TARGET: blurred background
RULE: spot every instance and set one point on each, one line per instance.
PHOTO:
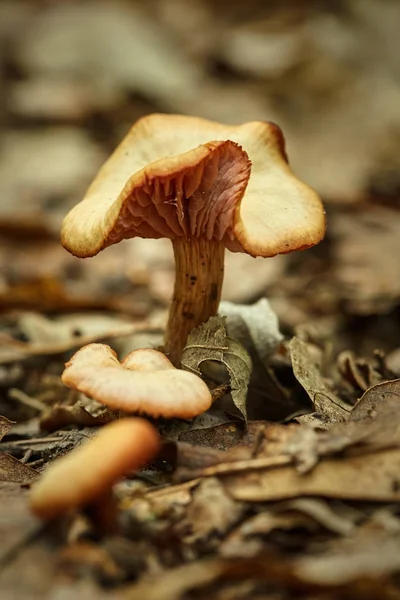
(74, 77)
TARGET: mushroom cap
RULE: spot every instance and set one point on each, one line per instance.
(180, 176)
(145, 382)
(88, 472)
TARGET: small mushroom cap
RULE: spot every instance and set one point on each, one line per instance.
(156, 388)
(179, 176)
(88, 472)
(146, 359)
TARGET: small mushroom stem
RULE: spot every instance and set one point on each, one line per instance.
(199, 266)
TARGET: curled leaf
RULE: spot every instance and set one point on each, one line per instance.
(209, 342)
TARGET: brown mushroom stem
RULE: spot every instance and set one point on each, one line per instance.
(199, 266)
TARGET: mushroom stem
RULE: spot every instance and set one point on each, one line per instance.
(199, 267)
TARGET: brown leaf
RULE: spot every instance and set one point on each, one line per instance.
(367, 283)
(211, 510)
(373, 477)
(226, 435)
(5, 426)
(58, 336)
(209, 342)
(367, 555)
(375, 399)
(14, 470)
(59, 416)
(308, 374)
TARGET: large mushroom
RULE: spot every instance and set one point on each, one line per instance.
(207, 187)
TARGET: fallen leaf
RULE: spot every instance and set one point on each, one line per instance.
(248, 539)
(95, 44)
(5, 426)
(360, 373)
(322, 513)
(347, 560)
(308, 374)
(211, 511)
(375, 399)
(11, 469)
(367, 284)
(174, 583)
(254, 326)
(209, 342)
(14, 470)
(226, 435)
(59, 336)
(371, 477)
(59, 416)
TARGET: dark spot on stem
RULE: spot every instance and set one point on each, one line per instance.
(214, 292)
(188, 315)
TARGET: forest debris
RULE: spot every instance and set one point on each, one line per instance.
(5, 426)
(346, 560)
(210, 511)
(368, 284)
(349, 572)
(379, 398)
(254, 326)
(308, 374)
(248, 538)
(371, 477)
(53, 162)
(310, 514)
(322, 513)
(360, 373)
(87, 559)
(58, 336)
(227, 435)
(11, 469)
(14, 470)
(209, 342)
(59, 416)
(78, 40)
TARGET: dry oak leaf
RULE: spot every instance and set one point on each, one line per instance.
(209, 342)
(11, 469)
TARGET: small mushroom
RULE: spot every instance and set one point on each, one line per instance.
(145, 382)
(86, 474)
(206, 186)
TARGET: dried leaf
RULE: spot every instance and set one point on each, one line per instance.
(358, 372)
(368, 284)
(307, 373)
(211, 510)
(174, 583)
(64, 334)
(59, 416)
(226, 435)
(254, 326)
(5, 426)
(210, 343)
(375, 399)
(366, 555)
(14, 470)
(372, 477)
(322, 513)
(248, 539)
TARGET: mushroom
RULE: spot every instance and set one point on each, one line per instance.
(206, 186)
(145, 381)
(86, 474)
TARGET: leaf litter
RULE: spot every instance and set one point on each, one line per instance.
(293, 492)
